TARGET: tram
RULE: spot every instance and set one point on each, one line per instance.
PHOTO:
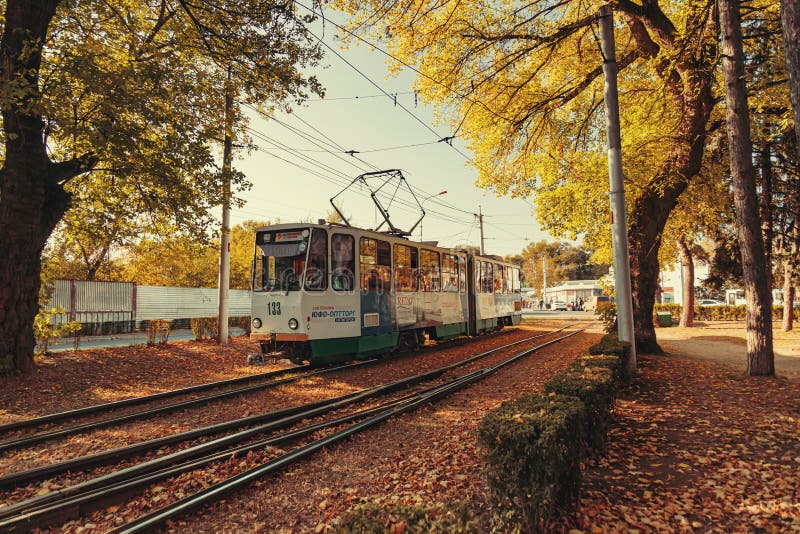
(326, 292)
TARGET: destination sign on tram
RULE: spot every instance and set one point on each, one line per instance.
(289, 236)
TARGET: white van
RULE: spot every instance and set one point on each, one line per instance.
(592, 303)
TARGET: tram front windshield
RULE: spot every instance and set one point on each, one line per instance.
(280, 258)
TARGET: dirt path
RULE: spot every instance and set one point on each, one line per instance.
(725, 342)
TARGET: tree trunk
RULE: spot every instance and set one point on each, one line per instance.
(653, 206)
(788, 297)
(790, 20)
(687, 264)
(789, 278)
(32, 197)
(767, 232)
(760, 357)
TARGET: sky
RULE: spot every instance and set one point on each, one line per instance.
(302, 162)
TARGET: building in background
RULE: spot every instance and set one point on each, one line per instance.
(672, 281)
(572, 290)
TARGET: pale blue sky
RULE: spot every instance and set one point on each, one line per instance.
(373, 123)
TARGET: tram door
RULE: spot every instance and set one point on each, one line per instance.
(472, 264)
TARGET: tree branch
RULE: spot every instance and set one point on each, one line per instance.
(63, 171)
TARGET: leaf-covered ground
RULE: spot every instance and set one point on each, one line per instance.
(698, 446)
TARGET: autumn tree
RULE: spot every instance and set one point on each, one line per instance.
(130, 92)
(790, 21)
(524, 83)
(760, 356)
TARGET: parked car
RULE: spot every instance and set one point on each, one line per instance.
(710, 302)
(591, 304)
(559, 306)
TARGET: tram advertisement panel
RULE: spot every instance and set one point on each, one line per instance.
(428, 309)
(332, 319)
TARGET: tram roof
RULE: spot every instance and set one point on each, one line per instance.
(382, 235)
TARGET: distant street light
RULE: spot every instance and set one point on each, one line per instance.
(440, 193)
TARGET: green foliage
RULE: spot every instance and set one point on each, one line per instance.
(607, 312)
(205, 327)
(720, 313)
(595, 387)
(158, 331)
(44, 331)
(380, 519)
(533, 448)
(611, 362)
(611, 345)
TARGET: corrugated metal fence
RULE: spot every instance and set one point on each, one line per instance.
(111, 307)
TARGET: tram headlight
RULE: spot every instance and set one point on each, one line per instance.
(293, 324)
(256, 323)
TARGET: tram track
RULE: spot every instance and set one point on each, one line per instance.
(273, 380)
(84, 497)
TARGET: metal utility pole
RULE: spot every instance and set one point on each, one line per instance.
(619, 226)
(480, 221)
(544, 279)
(225, 234)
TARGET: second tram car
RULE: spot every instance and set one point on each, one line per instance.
(326, 293)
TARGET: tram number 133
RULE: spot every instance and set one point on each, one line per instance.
(273, 308)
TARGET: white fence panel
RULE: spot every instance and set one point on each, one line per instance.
(156, 302)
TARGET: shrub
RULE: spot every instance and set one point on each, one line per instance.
(242, 322)
(611, 345)
(595, 387)
(533, 448)
(44, 332)
(607, 312)
(158, 331)
(607, 361)
(376, 519)
(205, 327)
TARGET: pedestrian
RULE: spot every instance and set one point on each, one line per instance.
(580, 304)
(541, 304)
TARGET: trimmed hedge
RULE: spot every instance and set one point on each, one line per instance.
(533, 448)
(377, 519)
(719, 313)
(610, 345)
(610, 362)
(595, 387)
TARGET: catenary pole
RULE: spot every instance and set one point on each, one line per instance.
(225, 234)
(619, 225)
(480, 222)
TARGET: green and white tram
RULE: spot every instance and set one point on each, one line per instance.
(326, 293)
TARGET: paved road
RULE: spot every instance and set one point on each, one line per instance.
(124, 340)
(140, 338)
(574, 315)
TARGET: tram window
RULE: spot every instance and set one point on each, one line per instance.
(507, 279)
(280, 259)
(376, 265)
(406, 267)
(430, 271)
(462, 274)
(449, 272)
(515, 285)
(498, 278)
(316, 273)
(488, 278)
(343, 263)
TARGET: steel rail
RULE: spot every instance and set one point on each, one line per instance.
(38, 510)
(22, 477)
(76, 429)
(96, 408)
(151, 521)
(60, 416)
